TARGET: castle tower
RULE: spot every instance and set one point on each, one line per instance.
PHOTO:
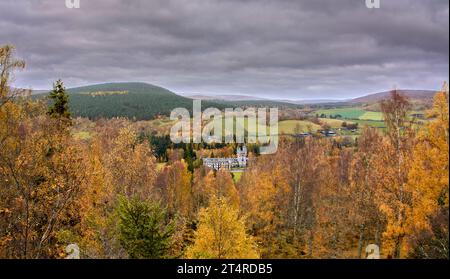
(241, 154)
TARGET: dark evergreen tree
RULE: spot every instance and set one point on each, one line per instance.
(60, 106)
(144, 233)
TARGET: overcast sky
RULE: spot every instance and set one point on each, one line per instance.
(290, 49)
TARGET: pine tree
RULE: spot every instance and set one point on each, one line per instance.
(60, 106)
(143, 231)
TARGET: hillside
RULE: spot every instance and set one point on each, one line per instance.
(224, 97)
(139, 101)
(413, 95)
(142, 101)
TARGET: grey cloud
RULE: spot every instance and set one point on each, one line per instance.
(285, 49)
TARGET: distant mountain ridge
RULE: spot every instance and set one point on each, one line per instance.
(143, 101)
(411, 94)
(140, 101)
(229, 97)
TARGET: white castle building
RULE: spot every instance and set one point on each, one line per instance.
(228, 163)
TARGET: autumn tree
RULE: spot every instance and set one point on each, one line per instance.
(8, 64)
(307, 172)
(221, 234)
(265, 197)
(178, 192)
(96, 205)
(364, 214)
(429, 182)
(331, 206)
(132, 165)
(41, 174)
(394, 197)
(201, 192)
(265, 200)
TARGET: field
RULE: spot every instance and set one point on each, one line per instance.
(349, 113)
(370, 123)
(296, 126)
(334, 123)
(237, 122)
(285, 126)
(372, 115)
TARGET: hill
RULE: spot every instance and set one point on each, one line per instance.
(224, 97)
(413, 95)
(140, 101)
(132, 100)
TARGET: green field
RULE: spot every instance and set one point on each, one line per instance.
(370, 123)
(350, 113)
(237, 124)
(335, 123)
(372, 115)
(290, 126)
(284, 127)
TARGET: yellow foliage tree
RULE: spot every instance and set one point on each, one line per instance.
(221, 234)
(178, 190)
(429, 174)
(132, 165)
(265, 199)
(392, 167)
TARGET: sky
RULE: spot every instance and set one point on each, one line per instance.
(289, 49)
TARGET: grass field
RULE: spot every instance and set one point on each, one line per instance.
(284, 127)
(372, 115)
(335, 123)
(350, 113)
(370, 123)
(258, 128)
(290, 126)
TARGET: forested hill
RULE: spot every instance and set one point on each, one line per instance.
(135, 100)
(132, 100)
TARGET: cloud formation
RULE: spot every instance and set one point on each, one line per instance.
(287, 49)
